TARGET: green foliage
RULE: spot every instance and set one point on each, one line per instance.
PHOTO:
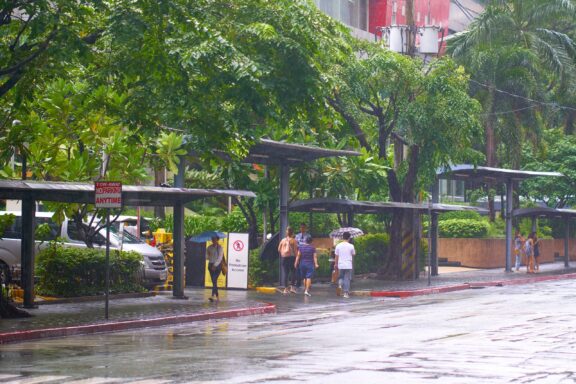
(557, 153)
(5, 222)
(322, 224)
(169, 148)
(68, 272)
(196, 224)
(261, 272)
(469, 215)
(463, 228)
(234, 222)
(371, 252)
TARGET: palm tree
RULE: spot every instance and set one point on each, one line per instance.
(513, 48)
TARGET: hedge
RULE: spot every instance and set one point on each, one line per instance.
(70, 272)
(463, 228)
(371, 252)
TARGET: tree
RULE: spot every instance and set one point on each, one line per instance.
(428, 109)
(42, 37)
(516, 48)
(557, 152)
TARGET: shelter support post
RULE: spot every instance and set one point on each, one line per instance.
(27, 250)
(284, 195)
(509, 191)
(434, 231)
(566, 240)
(178, 259)
(178, 235)
(351, 219)
(534, 223)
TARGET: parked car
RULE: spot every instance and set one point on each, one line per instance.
(155, 270)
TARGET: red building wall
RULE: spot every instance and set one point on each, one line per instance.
(380, 13)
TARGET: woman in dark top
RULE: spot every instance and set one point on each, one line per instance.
(536, 252)
(307, 260)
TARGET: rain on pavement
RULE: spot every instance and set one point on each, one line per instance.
(520, 334)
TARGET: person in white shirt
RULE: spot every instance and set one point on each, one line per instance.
(344, 262)
(215, 256)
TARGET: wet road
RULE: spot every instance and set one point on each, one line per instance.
(516, 334)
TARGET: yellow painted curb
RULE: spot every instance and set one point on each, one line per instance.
(266, 289)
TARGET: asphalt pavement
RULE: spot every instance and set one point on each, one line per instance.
(517, 333)
(66, 319)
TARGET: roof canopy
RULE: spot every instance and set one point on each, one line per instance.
(544, 212)
(132, 195)
(471, 172)
(276, 153)
(332, 205)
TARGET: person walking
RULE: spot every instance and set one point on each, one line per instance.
(302, 239)
(288, 248)
(518, 244)
(344, 263)
(529, 250)
(307, 262)
(536, 252)
(215, 256)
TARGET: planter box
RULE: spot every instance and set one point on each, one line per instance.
(491, 253)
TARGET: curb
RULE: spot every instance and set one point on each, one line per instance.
(87, 299)
(420, 292)
(35, 334)
(461, 287)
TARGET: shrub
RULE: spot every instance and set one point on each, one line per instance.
(261, 272)
(371, 252)
(69, 272)
(463, 228)
(469, 215)
(234, 222)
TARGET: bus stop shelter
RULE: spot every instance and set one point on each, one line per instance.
(285, 156)
(31, 191)
(552, 213)
(471, 173)
(353, 207)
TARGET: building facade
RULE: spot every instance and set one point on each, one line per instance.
(365, 17)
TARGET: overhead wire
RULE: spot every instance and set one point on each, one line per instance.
(543, 103)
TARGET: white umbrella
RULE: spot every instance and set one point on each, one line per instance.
(339, 233)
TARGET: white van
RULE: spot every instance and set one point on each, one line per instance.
(155, 270)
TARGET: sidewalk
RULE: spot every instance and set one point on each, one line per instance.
(455, 280)
(66, 319)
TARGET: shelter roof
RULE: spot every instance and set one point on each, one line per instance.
(333, 205)
(477, 173)
(272, 152)
(544, 212)
(132, 195)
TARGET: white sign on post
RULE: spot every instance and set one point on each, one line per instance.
(238, 260)
(108, 194)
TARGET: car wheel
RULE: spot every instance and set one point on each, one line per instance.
(5, 274)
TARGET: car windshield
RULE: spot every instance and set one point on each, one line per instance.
(128, 237)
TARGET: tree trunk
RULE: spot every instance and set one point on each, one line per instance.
(489, 126)
(159, 178)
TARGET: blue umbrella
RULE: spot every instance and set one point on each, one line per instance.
(207, 236)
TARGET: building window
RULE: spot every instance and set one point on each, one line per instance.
(353, 13)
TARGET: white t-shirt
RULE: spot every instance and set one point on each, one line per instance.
(215, 254)
(345, 252)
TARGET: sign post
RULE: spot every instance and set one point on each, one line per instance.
(107, 194)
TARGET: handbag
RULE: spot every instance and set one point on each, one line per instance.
(224, 266)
